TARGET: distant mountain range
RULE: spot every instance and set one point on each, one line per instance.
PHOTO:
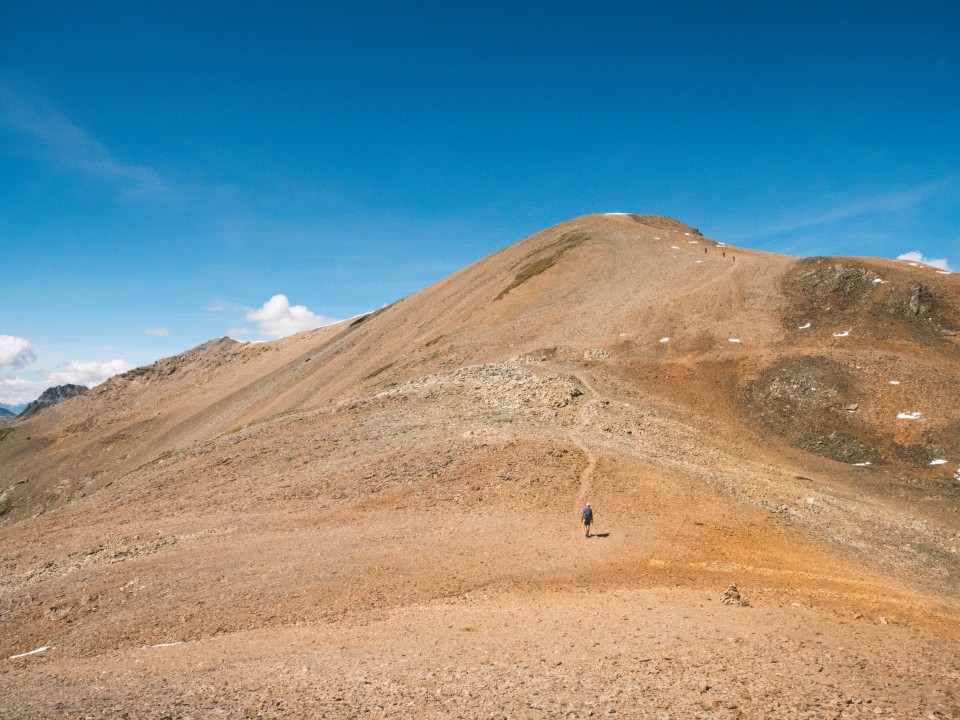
(11, 409)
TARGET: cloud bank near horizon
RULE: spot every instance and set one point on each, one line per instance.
(16, 353)
(85, 373)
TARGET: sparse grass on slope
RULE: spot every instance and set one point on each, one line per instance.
(535, 267)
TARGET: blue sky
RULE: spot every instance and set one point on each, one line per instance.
(167, 169)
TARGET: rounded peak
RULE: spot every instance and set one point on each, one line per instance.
(656, 222)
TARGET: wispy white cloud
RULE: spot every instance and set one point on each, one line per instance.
(237, 333)
(69, 148)
(157, 332)
(916, 256)
(880, 204)
(220, 306)
(278, 318)
(15, 352)
(84, 373)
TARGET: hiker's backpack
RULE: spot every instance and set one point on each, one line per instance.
(588, 514)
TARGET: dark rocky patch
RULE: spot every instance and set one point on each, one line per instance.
(50, 397)
(832, 294)
(805, 400)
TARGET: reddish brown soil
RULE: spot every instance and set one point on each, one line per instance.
(380, 519)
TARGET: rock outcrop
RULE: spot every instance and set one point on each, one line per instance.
(50, 397)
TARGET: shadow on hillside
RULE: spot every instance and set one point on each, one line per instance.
(599, 534)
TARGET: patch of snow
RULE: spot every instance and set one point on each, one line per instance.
(699, 261)
(655, 237)
(180, 642)
(908, 416)
(674, 247)
(733, 340)
(686, 233)
(878, 281)
(32, 652)
(938, 461)
(894, 382)
(692, 242)
(720, 244)
(810, 501)
(863, 464)
(804, 327)
(664, 339)
(914, 265)
(845, 333)
(944, 272)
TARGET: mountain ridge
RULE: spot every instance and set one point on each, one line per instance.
(429, 459)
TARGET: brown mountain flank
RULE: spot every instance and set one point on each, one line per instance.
(379, 518)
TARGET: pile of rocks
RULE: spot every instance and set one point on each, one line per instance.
(506, 385)
(732, 597)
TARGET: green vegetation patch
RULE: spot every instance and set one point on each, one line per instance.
(555, 249)
(378, 371)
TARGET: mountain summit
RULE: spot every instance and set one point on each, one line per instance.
(362, 499)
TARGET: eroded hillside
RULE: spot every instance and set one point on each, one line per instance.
(380, 517)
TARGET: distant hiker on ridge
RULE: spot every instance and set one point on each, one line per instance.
(587, 517)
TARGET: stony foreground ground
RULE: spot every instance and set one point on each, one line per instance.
(657, 653)
(621, 636)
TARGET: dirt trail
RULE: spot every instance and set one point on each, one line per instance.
(586, 475)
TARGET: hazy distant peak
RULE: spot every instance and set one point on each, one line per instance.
(50, 397)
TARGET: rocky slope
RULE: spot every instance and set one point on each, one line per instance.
(379, 518)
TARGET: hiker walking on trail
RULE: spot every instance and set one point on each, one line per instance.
(587, 516)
